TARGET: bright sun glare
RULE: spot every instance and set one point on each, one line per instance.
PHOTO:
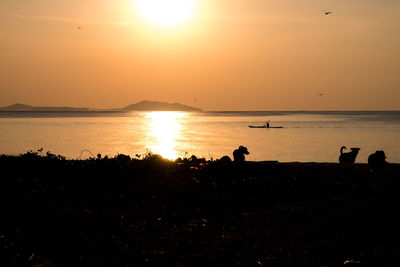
(166, 12)
(164, 132)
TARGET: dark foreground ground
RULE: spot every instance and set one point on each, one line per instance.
(121, 212)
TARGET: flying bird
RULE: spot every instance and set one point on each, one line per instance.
(79, 27)
(320, 94)
(327, 12)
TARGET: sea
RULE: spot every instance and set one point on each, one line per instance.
(306, 136)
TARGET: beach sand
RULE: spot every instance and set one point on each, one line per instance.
(122, 212)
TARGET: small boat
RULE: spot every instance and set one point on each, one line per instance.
(265, 126)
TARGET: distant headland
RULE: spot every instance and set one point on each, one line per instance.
(140, 106)
(22, 107)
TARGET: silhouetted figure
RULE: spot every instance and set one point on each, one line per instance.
(377, 159)
(225, 159)
(349, 157)
(267, 124)
(238, 154)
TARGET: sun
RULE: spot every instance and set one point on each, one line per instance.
(166, 12)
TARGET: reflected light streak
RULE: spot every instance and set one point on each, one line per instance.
(164, 131)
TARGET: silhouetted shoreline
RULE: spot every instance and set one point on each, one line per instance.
(192, 212)
(144, 105)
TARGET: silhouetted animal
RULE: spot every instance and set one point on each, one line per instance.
(238, 154)
(225, 159)
(377, 159)
(349, 157)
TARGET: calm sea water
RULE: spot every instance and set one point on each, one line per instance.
(306, 136)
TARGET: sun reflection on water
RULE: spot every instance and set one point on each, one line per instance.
(164, 132)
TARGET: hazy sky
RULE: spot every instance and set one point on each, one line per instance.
(231, 54)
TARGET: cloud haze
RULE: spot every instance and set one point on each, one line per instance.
(267, 55)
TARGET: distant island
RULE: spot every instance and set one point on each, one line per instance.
(140, 106)
(22, 107)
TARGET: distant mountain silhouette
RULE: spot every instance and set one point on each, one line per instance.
(17, 107)
(143, 105)
(22, 107)
(159, 106)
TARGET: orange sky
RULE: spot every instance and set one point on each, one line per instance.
(231, 55)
